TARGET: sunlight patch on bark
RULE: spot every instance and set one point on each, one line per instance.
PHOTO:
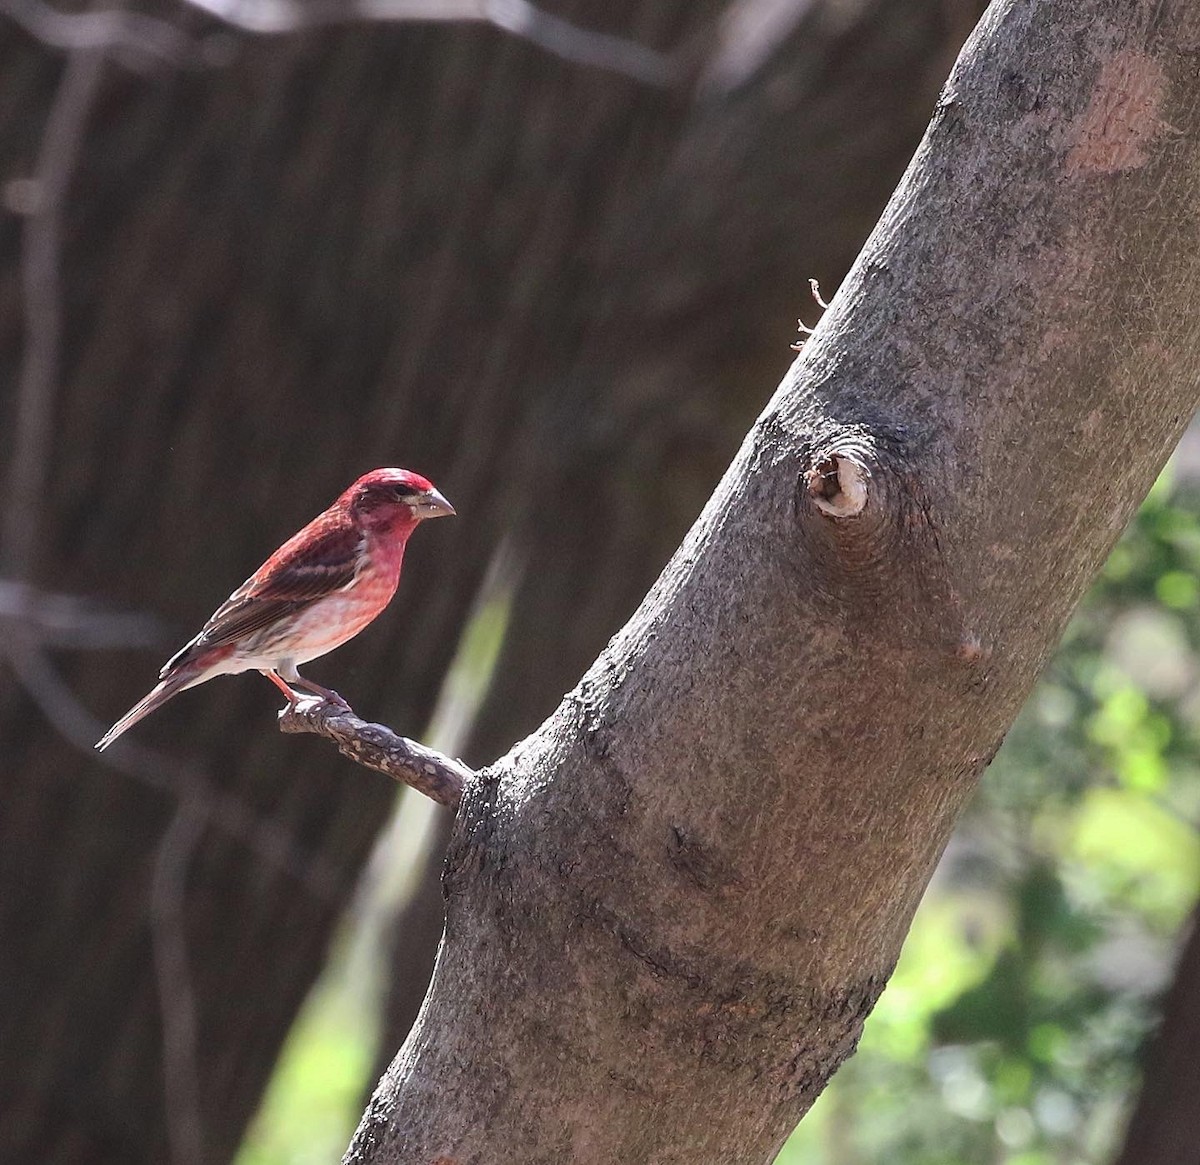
(1122, 118)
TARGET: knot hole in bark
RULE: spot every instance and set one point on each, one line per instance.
(837, 483)
(868, 530)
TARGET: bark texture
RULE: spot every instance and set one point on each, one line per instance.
(781, 173)
(1165, 1126)
(556, 291)
(670, 909)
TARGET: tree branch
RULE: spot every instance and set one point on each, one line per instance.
(519, 18)
(377, 747)
(147, 38)
(141, 38)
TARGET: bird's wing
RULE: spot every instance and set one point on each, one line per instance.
(320, 560)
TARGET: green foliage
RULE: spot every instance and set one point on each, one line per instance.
(1011, 1031)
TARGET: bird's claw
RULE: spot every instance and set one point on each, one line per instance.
(331, 697)
(311, 701)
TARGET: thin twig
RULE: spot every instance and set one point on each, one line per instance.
(41, 247)
(176, 999)
(378, 747)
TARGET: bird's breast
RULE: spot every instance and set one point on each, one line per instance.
(333, 620)
(327, 623)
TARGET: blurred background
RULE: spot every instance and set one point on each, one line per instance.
(250, 249)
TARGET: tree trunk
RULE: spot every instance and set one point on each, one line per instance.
(670, 909)
(1165, 1126)
(338, 250)
(652, 413)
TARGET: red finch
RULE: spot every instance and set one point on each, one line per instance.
(319, 589)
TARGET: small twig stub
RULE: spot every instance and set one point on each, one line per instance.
(837, 483)
(804, 329)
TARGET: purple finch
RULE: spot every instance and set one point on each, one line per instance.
(319, 589)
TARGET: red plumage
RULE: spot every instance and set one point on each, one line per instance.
(319, 589)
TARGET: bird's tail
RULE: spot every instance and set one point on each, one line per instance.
(170, 685)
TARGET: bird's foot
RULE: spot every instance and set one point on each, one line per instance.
(307, 704)
(307, 690)
(305, 696)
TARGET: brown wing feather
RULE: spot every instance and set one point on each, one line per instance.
(322, 558)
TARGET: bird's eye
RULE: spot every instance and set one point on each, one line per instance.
(405, 493)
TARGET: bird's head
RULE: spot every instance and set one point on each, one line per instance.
(387, 498)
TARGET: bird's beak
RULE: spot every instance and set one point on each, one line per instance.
(433, 505)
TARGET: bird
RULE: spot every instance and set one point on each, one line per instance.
(318, 590)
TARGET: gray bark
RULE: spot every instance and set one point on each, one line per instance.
(667, 386)
(672, 907)
(332, 251)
